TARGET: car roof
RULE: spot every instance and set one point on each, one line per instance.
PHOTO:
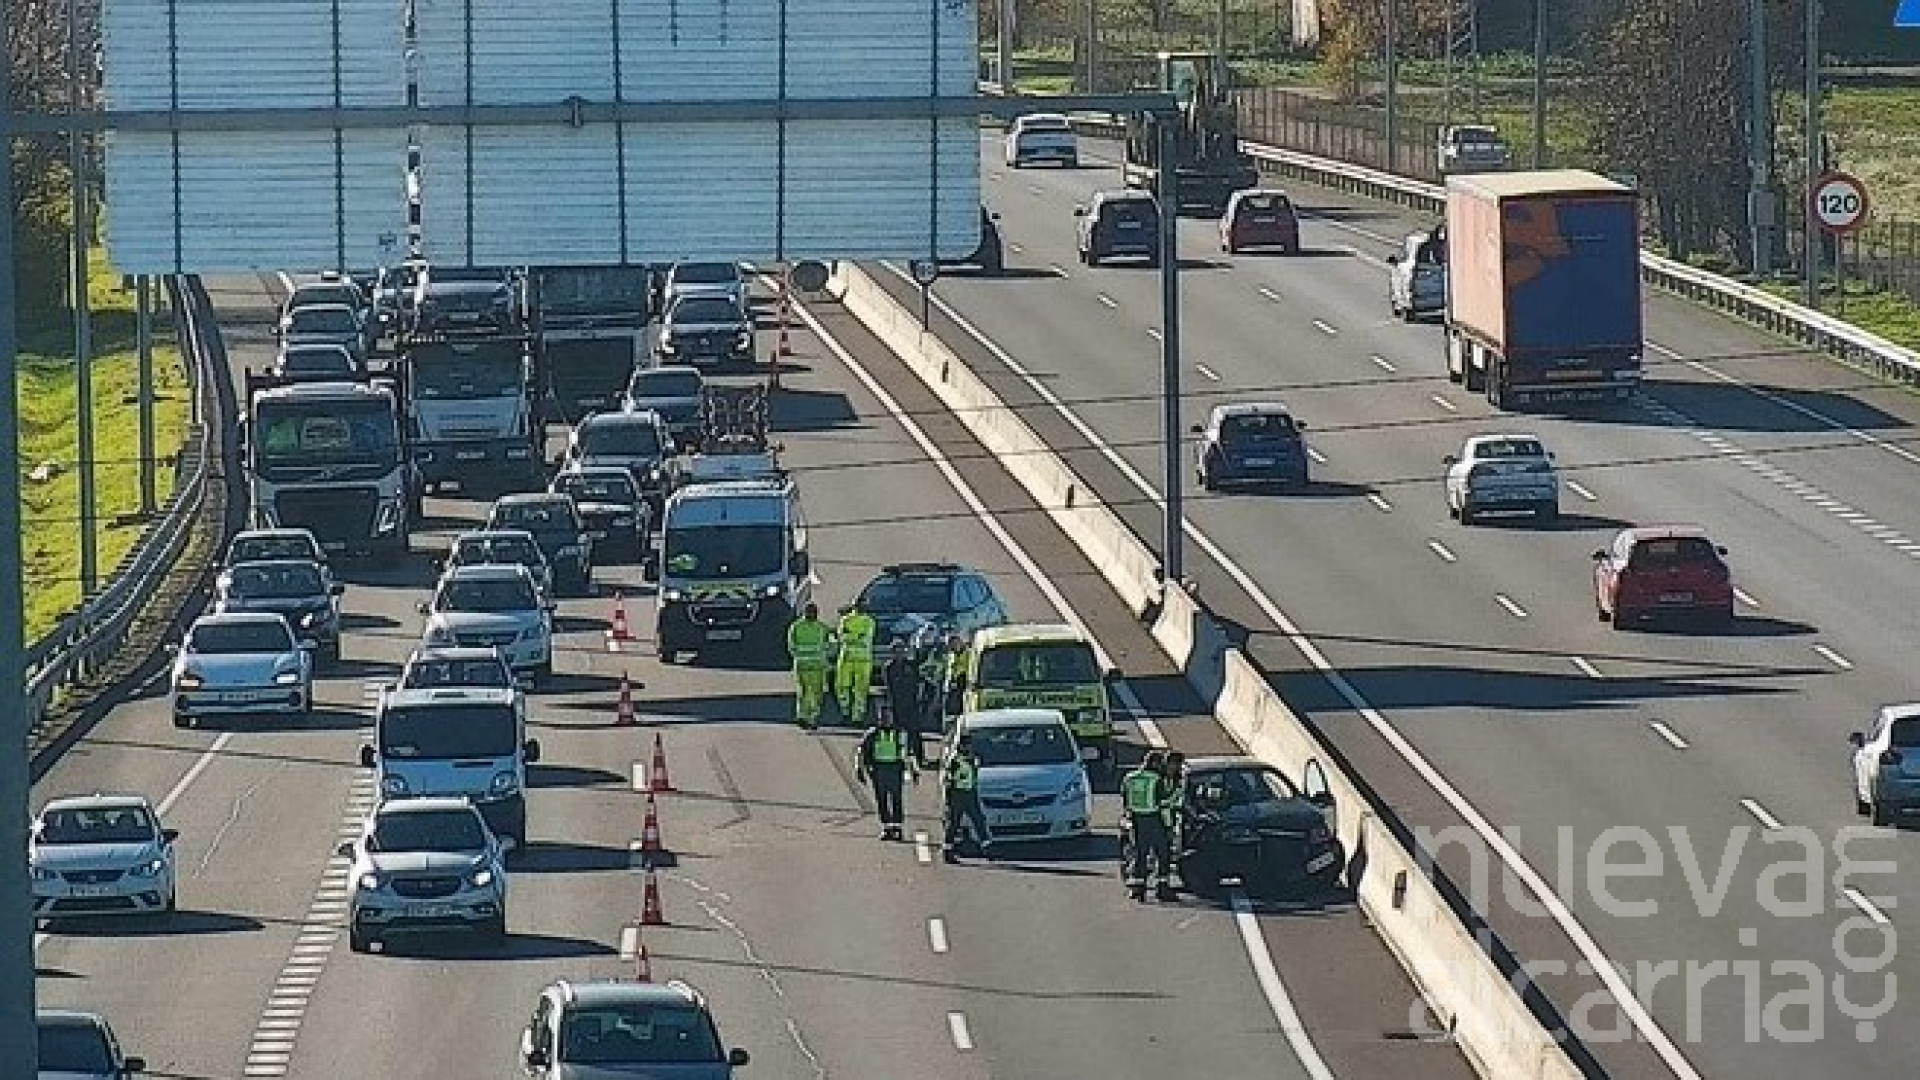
(1250, 408)
(1223, 762)
(278, 534)
(99, 800)
(488, 571)
(1503, 436)
(1011, 718)
(270, 564)
(929, 568)
(327, 306)
(590, 994)
(425, 804)
(1013, 633)
(675, 369)
(523, 498)
(1046, 117)
(1123, 195)
(431, 653)
(1263, 192)
(605, 472)
(620, 416)
(461, 695)
(1906, 711)
(317, 346)
(1664, 532)
(68, 1018)
(488, 534)
(238, 618)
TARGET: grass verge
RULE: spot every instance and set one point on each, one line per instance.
(49, 433)
(1893, 316)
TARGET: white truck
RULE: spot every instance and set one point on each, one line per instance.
(331, 458)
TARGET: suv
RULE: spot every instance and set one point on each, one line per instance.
(456, 666)
(1119, 224)
(1886, 765)
(627, 1029)
(1042, 137)
(705, 279)
(1250, 443)
(493, 606)
(923, 602)
(501, 547)
(424, 865)
(1417, 276)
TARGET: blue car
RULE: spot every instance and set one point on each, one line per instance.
(1250, 444)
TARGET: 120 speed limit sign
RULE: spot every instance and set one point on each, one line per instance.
(1839, 202)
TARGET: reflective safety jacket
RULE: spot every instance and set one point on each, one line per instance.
(856, 635)
(963, 774)
(807, 642)
(1143, 791)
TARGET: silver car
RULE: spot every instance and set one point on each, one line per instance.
(78, 1045)
(1502, 473)
(708, 279)
(100, 855)
(603, 1030)
(425, 864)
(493, 607)
(1886, 765)
(1033, 783)
(501, 547)
(1417, 276)
(241, 663)
(324, 324)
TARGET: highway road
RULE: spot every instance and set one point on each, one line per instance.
(824, 951)
(1475, 651)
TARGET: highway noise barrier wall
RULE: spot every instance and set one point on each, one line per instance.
(1463, 984)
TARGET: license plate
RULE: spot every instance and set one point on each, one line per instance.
(470, 455)
(240, 697)
(1319, 862)
(724, 635)
(90, 890)
(1130, 225)
(1259, 463)
(1676, 598)
(429, 911)
(1019, 817)
(1089, 753)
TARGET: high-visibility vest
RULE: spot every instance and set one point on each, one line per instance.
(1141, 791)
(856, 635)
(886, 747)
(807, 641)
(962, 774)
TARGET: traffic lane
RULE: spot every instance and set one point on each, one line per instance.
(1345, 1014)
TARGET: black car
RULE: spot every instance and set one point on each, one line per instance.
(635, 440)
(1251, 443)
(674, 393)
(1119, 224)
(921, 603)
(1242, 819)
(706, 328)
(616, 514)
(299, 589)
(989, 256)
(555, 524)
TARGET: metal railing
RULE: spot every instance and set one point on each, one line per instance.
(87, 638)
(1817, 330)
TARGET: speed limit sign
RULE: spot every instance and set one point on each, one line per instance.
(1839, 202)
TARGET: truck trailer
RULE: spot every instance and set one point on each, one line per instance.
(1543, 287)
(592, 332)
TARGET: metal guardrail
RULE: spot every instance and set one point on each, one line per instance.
(1842, 339)
(87, 638)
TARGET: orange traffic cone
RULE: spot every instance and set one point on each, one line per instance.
(620, 631)
(650, 843)
(650, 911)
(624, 717)
(642, 965)
(658, 781)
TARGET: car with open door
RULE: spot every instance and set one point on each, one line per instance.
(1244, 821)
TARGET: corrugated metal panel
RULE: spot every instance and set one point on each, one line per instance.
(880, 48)
(874, 202)
(521, 52)
(702, 50)
(544, 196)
(252, 53)
(701, 192)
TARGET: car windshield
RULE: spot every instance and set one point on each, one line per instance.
(619, 436)
(704, 309)
(1257, 428)
(466, 372)
(440, 732)
(97, 825)
(496, 550)
(1051, 125)
(295, 432)
(1219, 789)
(322, 320)
(309, 360)
(705, 274)
(638, 1034)
(1037, 744)
(74, 1048)
(1906, 732)
(1509, 448)
(267, 548)
(310, 295)
(268, 582)
(1059, 663)
(1139, 210)
(240, 638)
(485, 594)
(545, 515)
(909, 595)
(725, 551)
(1265, 205)
(600, 488)
(428, 830)
(665, 384)
(432, 673)
(1671, 553)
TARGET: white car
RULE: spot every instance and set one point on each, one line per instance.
(239, 663)
(100, 855)
(706, 279)
(425, 864)
(1033, 784)
(1042, 137)
(1502, 473)
(1886, 765)
(493, 606)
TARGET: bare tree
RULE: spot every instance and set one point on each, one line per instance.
(37, 82)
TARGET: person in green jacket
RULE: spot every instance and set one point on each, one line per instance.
(855, 667)
(1143, 793)
(960, 777)
(807, 646)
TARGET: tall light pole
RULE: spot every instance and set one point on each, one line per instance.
(1539, 84)
(82, 316)
(1393, 87)
(1815, 164)
(1759, 142)
(1006, 17)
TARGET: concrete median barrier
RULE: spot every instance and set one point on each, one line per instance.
(1462, 982)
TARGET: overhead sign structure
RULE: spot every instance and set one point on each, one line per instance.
(232, 200)
(1839, 202)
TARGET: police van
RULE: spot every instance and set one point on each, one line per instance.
(456, 741)
(733, 567)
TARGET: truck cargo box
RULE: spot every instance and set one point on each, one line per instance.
(1544, 263)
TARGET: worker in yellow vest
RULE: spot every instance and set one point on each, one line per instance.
(855, 667)
(883, 758)
(807, 646)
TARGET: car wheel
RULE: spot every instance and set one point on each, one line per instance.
(1878, 815)
(1126, 855)
(1467, 514)
(182, 720)
(173, 901)
(331, 654)
(1620, 619)
(494, 930)
(360, 939)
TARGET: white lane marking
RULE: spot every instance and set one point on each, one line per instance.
(937, 934)
(1058, 270)
(1275, 990)
(1325, 327)
(1833, 658)
(1035, 189)
(1745, 597)
(1595, 957)
(1513, 609)
(1586, 667)
(1443, 403)
(1315, 456)
(957, 1027)
(923, 848)
(1153, 332)
(1760, 814)
(1109, 301)
(1673, 737)
(1867, 907)
(1269, 294)
(1383, 363)
(629, 943)
(1207, 372)
(1017, 249)
(1580, 489)
(1440, 549)
(1380, 502)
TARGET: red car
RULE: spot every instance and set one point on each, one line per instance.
(1661, 570)
(1260, 218)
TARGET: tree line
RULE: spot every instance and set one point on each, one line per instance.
(36, 32)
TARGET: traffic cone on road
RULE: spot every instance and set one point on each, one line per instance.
(650, 843)
(624, 717)
(651, 913)
(658, 781)
(620, 632)
(642, 965)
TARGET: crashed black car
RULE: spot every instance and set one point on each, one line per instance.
(299, 589)
(1244, 820)
(617, 516)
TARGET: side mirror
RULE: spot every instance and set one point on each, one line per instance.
(799, 564)
(531, 751)
(336, 589)
(1450, 459)
(994, 216)
(168, 836)
(737, 1057)
(1393, 260)
(1079, 211)
(1112, 674)
(1321, 799)
(1856, 740)
(1721, 550)
(1599, 556)
(536, 1058)
(550, 604)
(133, 1065)
(1299, 424)
(366, 756)
(422, 607)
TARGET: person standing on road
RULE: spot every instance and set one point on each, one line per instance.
(960, 778)
(1144, 794)
(882, 758)
(1176, 808)
(855, 666)
(901, 677)
(807, 646)
(940, 672)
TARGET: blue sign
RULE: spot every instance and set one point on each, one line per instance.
(1908, 16)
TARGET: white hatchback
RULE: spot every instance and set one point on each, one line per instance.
(1033, 784)
(1042, 137)
(100, 855)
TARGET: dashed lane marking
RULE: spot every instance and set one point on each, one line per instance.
(1507, 602)
(1745, 597)
(1671, 736)
(1440, 549)
(1325, 327)
(957, 1027)
(1269, 294)
(1380, 502)
(1580, 489)
(1316, 456)
(937, 934)
(1153, 332)
(1586, 667)
(1761, 814)
(1866, 905)
(1109, 302)
(1383, 363)
(1443, 403)
(923, 848)
(1207, 372)
(1833, 658)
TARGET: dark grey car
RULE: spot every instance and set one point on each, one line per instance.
(672, 392)
(80, 1046)
(706, 328)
